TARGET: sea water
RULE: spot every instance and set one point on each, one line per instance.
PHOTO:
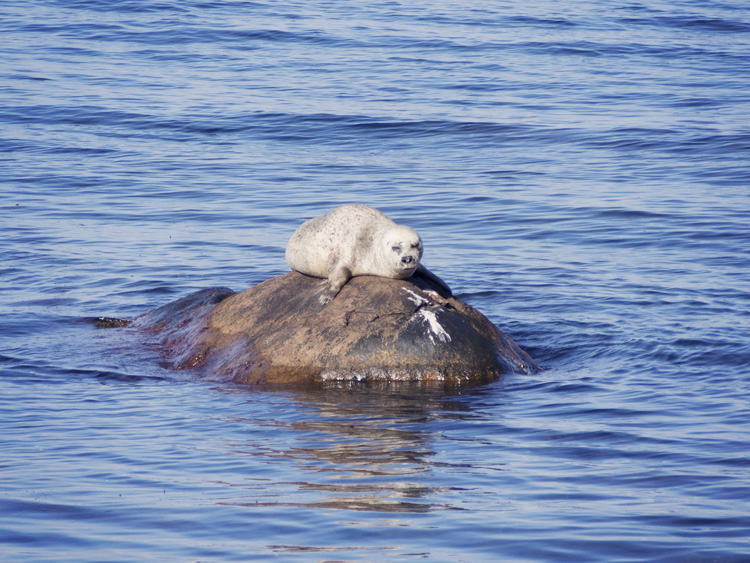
(579, 172)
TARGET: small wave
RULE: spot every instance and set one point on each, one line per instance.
(533, 21)
(128, 6)
(688, 22)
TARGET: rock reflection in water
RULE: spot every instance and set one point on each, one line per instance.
(365, 450)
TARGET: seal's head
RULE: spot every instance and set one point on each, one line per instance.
(401, 250)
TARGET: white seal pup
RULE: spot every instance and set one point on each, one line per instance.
(356, 240)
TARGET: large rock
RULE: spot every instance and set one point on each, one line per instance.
(376, 329)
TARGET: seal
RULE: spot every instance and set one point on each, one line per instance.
(356, 240)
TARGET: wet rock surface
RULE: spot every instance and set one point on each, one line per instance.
(376, 329)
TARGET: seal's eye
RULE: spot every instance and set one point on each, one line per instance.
(415, 245)
(396, 249)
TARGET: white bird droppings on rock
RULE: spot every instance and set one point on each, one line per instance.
(435, 327)
(416, 298)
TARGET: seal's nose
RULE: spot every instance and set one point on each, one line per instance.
(407, 260)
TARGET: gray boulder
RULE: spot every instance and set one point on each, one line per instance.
(376, 329)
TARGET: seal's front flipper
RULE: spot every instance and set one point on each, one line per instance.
(337, 277)
(429, 276)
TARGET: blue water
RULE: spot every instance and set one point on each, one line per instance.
(579, 172)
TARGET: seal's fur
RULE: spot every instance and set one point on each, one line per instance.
(356, 240)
